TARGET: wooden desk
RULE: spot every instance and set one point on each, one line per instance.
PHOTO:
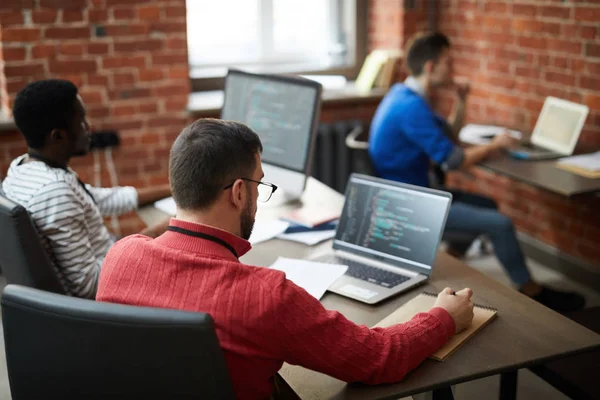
(525, 333)
(543, 174)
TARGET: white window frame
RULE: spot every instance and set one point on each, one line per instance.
(343, 60)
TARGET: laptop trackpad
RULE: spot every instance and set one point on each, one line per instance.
(353, 290)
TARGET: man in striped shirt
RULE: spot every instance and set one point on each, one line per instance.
(68, 214)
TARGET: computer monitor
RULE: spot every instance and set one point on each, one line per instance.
(284, 112)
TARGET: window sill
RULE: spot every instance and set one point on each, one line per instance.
(209, 103)
(296, 68)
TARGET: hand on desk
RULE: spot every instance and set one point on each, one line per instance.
(458, 305)
(504, 141)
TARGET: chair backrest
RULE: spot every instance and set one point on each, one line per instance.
(70, 348)
(361, 159)
(23, 259)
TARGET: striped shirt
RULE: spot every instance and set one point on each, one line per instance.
(68, 219)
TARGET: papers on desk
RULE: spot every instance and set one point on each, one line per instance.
(587, 165)
(483, 134)
(591, 161)
(167, 206)
(311, 217)
(267, 229)
(309, 238)
(313, 277)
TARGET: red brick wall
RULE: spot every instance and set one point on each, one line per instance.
(391, 23)
(385, 24)
(133, 79)
(3, 93)
(518, 52)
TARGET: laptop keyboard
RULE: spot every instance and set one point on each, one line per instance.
(370, 274)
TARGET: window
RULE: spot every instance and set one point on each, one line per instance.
(275, 36)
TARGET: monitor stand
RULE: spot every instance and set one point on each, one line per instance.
(290, 185)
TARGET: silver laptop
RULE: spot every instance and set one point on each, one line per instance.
(556, 131)
(388, 236)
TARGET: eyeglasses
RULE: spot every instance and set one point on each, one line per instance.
(265, 189)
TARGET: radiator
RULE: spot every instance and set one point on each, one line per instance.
(332, 161)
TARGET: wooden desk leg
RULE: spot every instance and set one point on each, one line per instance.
(437, 394)
(508, 385)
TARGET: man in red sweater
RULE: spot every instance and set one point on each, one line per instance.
(261, 318)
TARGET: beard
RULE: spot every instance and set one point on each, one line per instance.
(247, 221)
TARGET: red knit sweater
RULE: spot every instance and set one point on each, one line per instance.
(261, 318)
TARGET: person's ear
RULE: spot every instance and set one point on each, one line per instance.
(428, 67)
(57, 135)
(238, 194)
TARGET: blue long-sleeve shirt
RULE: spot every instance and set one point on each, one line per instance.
(405, 135)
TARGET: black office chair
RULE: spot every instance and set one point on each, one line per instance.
(361, 160)
(63, 347)
(23, 259)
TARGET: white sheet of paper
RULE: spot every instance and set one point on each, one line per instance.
(591, 161)
(472, 133)
(308, 238)
(314, 277)
(167, 206)
(267, 229)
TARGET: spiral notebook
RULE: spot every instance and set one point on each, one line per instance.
(423, 303)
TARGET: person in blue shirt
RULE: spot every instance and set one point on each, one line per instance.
(408, 137)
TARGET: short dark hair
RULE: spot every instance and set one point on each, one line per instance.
(43, 106)
(423, 47)
(208, 155)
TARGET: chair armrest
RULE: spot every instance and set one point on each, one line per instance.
(353, 143)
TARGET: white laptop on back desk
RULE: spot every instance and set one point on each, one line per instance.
(556, 131)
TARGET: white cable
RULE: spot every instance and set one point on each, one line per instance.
(114, 182)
